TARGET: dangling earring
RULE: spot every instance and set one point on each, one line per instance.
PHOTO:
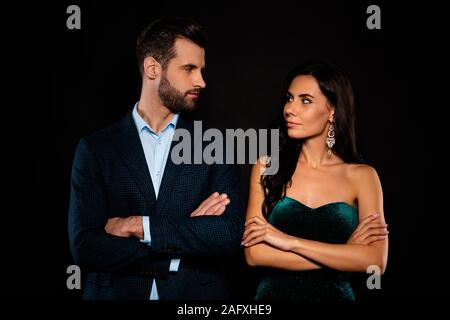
(330, 137)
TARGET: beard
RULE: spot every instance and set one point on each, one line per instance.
(175, 100)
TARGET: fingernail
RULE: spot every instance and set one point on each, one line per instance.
(223, 196)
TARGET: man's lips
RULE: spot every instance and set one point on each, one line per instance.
(192, 94)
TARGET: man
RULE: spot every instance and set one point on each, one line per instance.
(141, 226)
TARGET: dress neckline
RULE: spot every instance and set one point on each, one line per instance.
(323, 205)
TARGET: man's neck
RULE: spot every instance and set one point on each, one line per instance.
(154, 113)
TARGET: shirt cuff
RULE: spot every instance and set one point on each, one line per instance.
(174, 264)
(146, 225)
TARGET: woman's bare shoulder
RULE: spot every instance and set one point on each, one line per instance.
(360, 173)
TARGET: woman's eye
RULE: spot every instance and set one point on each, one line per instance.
(289, 99)
(306, 101)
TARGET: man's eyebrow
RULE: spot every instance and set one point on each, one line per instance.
(189, 65)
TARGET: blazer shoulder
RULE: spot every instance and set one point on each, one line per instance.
(109, 133)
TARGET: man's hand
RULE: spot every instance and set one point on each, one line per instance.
(214, 205)
(369, 231)
(125, 227)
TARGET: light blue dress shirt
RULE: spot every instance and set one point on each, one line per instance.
(156, 149)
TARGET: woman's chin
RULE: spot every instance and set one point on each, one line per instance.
(294, 134)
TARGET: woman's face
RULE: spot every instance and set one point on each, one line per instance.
(307, 111)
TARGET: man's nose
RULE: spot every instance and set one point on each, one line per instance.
(200, 82)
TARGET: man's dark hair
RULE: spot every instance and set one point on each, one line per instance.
(158, 39)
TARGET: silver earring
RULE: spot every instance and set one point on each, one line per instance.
(330, 137)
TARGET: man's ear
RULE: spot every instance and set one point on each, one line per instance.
(151, 67)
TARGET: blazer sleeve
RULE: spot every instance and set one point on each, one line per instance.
(92, 248)
(205, 235)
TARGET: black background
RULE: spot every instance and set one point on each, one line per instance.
(68, 83)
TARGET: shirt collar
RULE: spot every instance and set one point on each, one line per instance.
(141, 124)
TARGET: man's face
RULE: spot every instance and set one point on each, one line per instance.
(182, 80)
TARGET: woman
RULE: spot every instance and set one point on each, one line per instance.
(302, 222)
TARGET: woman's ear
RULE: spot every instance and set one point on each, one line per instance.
(331, 118)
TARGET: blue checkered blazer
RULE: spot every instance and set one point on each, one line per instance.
(110, 178)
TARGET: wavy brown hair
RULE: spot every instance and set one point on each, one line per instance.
(335, 85)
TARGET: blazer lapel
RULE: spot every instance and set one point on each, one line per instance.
(171, 170)
(130, 148)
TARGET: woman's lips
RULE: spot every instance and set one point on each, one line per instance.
(290, 124)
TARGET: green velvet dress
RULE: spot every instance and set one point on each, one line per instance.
(331, 223)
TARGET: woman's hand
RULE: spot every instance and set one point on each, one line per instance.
(369, 231)
(258, 230)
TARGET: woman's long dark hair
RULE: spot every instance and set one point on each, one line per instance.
(336, 86)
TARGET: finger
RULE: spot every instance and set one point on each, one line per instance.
(365, 221)
(252, 228)
(215, 194)
(375, 232)
(224, 203)
(205, 202)
(111, 221)
(255, 219)
(215, 207)
(208, 203)
(257, 240)
(250, 221)
(361, 238)
(220, 211)
(377, 226)
(253, 235)
(372, 225)
(373, 239)
(247, 228)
